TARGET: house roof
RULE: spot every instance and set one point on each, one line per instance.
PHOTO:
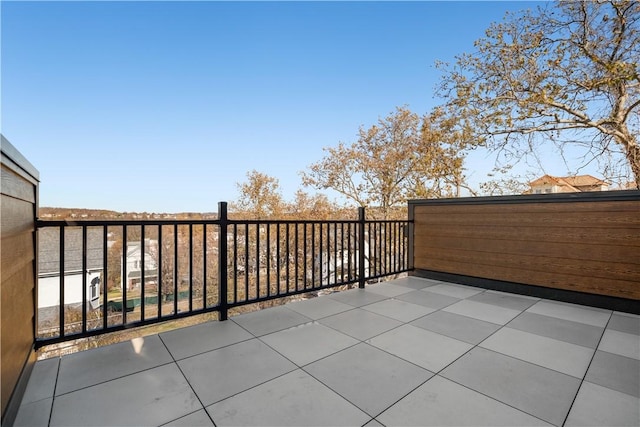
(572, 182)
(49, 249)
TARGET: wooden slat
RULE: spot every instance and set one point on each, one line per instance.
(584, 251)
(596, 236)
(535, 264)
(15, 216)
(616, 288)
(504, 208)
(617, 219)
(15, 186)
(17, 253)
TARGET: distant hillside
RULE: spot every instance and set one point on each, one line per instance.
(47, 213)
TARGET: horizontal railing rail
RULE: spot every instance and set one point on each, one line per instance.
(100, 276)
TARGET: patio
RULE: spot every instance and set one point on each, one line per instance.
(406, 352)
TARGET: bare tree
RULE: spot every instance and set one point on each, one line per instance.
(567, 71)
(260, 196)
(400, 157)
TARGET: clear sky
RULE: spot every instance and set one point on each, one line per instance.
(165, 106)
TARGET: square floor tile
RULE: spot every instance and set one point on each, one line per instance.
(399, 310)
(575, 313)
(367, 377)
(462, 328)
(504, 300)
(357, 297)
(42, 382)
(274, 319)
(538, 391)
(620, 343)
(309, 342)
(185, 342)
(560, 356)
(221, 373)
(559, 329)
(424, 348)
(482, 311)
(413, 282)
(360, 324)
(440, 402)
(152, 397)
(196, 419)
(34, 413)
(317, 308)
(428, 299)
(456, 291)
(600, 406)
(615, 372)
(387, 289)
(294, 399)
(625, 322)
(102, 364)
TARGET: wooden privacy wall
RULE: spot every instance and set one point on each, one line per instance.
(586, 242)
(17, 266)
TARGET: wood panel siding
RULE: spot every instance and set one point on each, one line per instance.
(588, 242)
(18, 208)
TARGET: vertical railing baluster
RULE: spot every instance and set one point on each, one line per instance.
(335, 252)
(313, 255)
(320, 255)
(246, 262)
(235, 263)
(350, 229)
(304, 260)
(123, 279)
(278, 260)
(175, 269)
(190, 267)
(143, 271)
(204, 265)
(84, 279)
(159, 276)
(297, 275)
(268, 237)
(222, 260)
(105, 273)
(258, 260)
(288, 255)
(61, 314)
(361, 225)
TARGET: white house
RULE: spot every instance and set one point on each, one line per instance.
(135, 263)
(49, 288)
(49, 267)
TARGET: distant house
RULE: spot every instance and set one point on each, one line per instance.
(49, 267)
(135, 263)
(566, 184)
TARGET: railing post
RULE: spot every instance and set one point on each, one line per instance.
(361, 224)
(222, 259)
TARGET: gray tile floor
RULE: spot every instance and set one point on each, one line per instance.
(406, 352)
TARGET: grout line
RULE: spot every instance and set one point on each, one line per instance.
(595, 350)
(53, 398)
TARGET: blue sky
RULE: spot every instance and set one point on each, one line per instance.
(165, 106)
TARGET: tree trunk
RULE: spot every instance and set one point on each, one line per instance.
(632, 153)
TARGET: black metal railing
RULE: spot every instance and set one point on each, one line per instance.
(102, 276)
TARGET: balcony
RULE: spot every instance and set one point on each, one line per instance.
(411, 351)
(512, 311)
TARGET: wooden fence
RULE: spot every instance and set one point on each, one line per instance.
(582, 242)
(18, 266)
